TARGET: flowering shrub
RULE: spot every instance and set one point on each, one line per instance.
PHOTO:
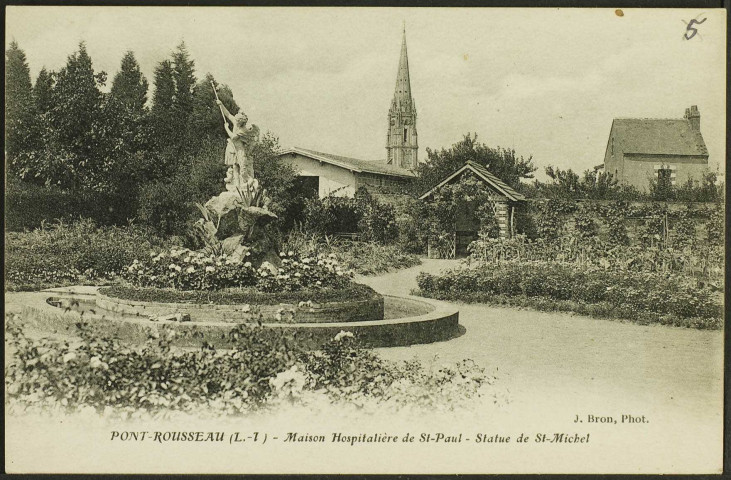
(346, 372)
(263, 368)
(99, 372)
(241, 296)
(624, 293)
(184, 269)
(297, 273)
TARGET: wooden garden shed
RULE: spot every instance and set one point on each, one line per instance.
(467, 224)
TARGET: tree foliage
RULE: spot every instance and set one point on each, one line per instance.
(206, 120)
(129, 86)
(20, 112)
(598, 185)
(43, 91)
(503, 163)
(184, 77)
(566, 184)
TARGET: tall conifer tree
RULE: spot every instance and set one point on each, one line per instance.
(43, 91)
(184, 75)
(129, 86)
(21, 128)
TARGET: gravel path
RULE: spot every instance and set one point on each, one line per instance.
(579, 361)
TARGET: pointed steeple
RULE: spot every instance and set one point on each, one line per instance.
(401, 141)
(402, 95)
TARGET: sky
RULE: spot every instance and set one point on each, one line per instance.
(546, 82)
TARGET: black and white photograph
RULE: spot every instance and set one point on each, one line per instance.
(360, 240)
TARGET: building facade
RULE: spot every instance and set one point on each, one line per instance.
(640, 150)
(402, 144)
(328, 174)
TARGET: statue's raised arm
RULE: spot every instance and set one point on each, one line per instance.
(224, 111)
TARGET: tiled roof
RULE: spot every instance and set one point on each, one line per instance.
(658, 136)
(378, 167)
(485, 175)
(482, 171)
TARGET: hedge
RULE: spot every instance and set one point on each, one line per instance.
(643, 297)
(30, 206)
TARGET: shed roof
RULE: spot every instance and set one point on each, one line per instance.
(485, 175)
(377, 167)
(658, 136)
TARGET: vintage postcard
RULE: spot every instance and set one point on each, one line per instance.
(364, 240)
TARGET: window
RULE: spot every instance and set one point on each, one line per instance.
(664, 173)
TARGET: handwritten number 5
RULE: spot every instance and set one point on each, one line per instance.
(691, 31)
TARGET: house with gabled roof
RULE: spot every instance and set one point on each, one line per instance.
(642, 149)
(466, 224)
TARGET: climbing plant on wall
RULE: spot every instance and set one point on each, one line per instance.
(468, 194)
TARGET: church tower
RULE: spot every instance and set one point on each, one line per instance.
(401, 143)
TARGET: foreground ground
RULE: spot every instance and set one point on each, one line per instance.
(554, 371)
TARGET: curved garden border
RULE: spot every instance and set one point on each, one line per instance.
(367, 309)
(439, 323)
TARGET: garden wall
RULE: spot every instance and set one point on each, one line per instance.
(634, 216)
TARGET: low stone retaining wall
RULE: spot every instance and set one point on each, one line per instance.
(352, 311)
(430, 321)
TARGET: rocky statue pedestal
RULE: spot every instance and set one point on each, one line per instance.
(248, 204)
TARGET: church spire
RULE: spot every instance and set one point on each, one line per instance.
(402, 95)
(401, 140)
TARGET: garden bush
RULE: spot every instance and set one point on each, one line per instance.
(371, 220)
(365, 258)
(62, 253)
(704, 259)
(29, 206)
(624, 294)
(168, 206)
(262, 369)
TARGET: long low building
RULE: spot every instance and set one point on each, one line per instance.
(334, 174)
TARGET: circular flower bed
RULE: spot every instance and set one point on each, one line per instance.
(209, 287)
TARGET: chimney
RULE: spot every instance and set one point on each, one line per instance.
(694, 117)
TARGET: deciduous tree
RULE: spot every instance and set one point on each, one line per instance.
(503, 163)
(206, 120)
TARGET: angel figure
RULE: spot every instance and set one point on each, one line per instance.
(239, 138)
